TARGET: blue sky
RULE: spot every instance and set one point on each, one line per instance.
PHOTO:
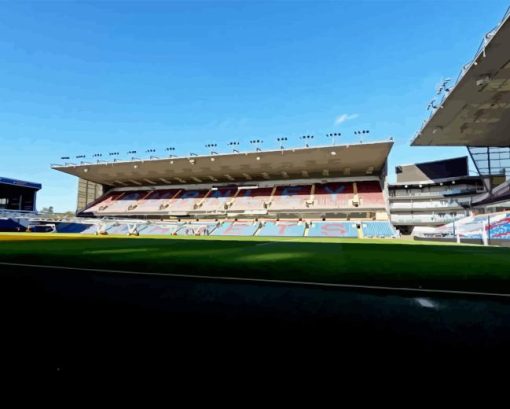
(80, 78)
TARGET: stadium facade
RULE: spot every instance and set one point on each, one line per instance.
(433, 193)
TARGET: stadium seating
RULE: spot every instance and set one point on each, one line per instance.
(283, 229)
(378, 229)
(370, 194)
(333, 229)
(500, 228)
(92, 229)
(217, 199)
(158, 229)
(124, 203)
(496, 224)
(10, 225)
(321, 196)
(186, 200)
(196, 229)
(332, 195)
(72, 227)
(236, 229)
(291, 198)
(251, 199)
(117, 229)
(104, 203)
(155, 201)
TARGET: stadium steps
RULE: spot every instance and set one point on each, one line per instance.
(360, 233)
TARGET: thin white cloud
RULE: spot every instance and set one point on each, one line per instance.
(344, 118)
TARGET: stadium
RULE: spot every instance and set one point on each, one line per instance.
(266, 233)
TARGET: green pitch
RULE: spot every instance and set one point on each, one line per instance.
(325, 260)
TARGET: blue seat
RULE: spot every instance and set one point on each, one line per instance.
(118, 229)
(333, 229)
(158, 229)
(378, 229)
(283, 229)
(72, 227)
(236, 229)
(192, 229)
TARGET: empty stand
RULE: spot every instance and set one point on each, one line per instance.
(92, 229)
(236, 229)
(117, 229)
(332, 195)
(370, 194)
(196, 229)
(333, 229)
(283, 229)
(186, 200)
(158, 229)
(107, 201)
(157, 200)
(7, 224)
(217, 199)
(378, 229)
(251, 199)
(73, 227)
(291, 198)
(122, 203)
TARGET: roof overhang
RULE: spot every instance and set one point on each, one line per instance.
(20, 183)
(476, 110)
(327, 161)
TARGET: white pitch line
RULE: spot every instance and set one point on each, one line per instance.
(265, 281)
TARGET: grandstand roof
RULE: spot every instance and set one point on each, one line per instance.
(20, 183)
(326, 161)
(476, 110)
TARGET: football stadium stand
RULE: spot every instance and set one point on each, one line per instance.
(247, 228)
(12, 224)
(158, 229)
(277, 199)
(196, 229)
(217, 200)
(378, 229)
(117, 228)
(73, 227)
(187, 201)
(370, 195)
(282, 229)
(252, 200)
(495, 225)
(264, 228)
(291, 198)
(332, 229)
(271, 193)
(155, 201)
(333, 195)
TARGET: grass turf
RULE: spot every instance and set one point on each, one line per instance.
(347, 261)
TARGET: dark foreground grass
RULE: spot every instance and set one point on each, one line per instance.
(366, 262)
